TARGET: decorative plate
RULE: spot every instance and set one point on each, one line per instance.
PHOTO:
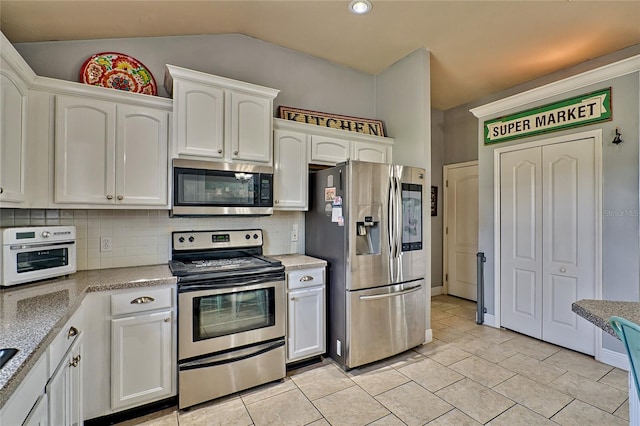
(118, 71)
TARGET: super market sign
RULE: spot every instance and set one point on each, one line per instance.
(579, 111)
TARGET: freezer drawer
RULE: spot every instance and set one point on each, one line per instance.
(385, 321)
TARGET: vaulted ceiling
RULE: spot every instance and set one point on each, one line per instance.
(477, 47)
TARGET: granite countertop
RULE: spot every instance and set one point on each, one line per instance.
(32, 315)
(598, 312)
(299, 261)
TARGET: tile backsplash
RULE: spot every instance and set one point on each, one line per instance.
(143, 237)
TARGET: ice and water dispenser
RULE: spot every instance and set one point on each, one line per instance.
(367, 236)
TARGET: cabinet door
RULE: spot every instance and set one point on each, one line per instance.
(372, 152)
(13, 109)
(141, 156)
(141, 359)
(249, 127)
(290, 174)
(84, 151)
(306, 330)
(64, 389)
(199, 119)
(39, 415)
(327, 150)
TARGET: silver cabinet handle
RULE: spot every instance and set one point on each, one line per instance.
(167, 320)
(235, 152)
(75, 361)
(306, 278)
(1, 190)
(72, 332)
(219, 151)
(563, 269)
(277, 201)
(294, 298)
(120, 197)
(109, 197)
(141, 300)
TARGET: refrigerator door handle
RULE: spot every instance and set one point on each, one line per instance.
(397, 293)
(398, 231)
(390, 221)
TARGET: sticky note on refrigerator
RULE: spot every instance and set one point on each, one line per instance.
(336, 213)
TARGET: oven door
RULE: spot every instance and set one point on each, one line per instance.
(32, 262)
(217, 319)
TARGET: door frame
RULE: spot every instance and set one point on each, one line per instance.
(597, 136)
(445, 223)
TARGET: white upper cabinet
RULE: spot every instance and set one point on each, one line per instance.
(141, 156)
(372, 152)
(290, 172)
(250, 128)
(329, 150)
(84, 150)
(110, 153)
(199, 119)
(14, 89)
(220, 119)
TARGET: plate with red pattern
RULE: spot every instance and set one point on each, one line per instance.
(118, 71)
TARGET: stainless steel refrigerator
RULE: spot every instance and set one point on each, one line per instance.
(366, 220)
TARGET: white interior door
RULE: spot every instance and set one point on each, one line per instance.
(568, 241)
(521, 237)
(461, 231)
(548, 241)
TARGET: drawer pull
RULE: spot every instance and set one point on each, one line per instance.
(306, 278)
(72, 332)
(141, 300)
(167, 320)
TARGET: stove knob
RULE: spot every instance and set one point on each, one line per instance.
(255, 236)
(191, 239)
(46, 234)
(181, 239)
(248, 237)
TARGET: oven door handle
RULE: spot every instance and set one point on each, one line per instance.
(30, 246)
(232, 356)
(184, 287)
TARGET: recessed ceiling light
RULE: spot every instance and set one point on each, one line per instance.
(360, 7)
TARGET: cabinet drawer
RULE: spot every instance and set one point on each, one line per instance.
(305, 278)
(65, 338)
(141, 300)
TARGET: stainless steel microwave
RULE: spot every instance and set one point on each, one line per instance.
(207, 188)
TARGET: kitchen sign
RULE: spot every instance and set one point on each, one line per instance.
(353, 124)
(574, 112)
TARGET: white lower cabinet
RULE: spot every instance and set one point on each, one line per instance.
(141, 367)
(131, 349)
(39, 415)
(64, 389)
(306, 301)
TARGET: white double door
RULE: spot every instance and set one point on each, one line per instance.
(548, 237)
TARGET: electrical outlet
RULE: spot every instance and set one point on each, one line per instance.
(105, 243)
(294, 232)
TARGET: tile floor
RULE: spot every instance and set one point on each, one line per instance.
(468, 375)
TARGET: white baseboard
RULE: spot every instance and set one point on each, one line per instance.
(613, 358)
(435, 291)
(428, 336)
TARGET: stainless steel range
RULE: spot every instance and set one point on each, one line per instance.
(231, 313)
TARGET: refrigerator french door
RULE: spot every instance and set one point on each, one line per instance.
(366, 220)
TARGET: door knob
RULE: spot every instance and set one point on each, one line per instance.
(563, 269)
(109, 197)
(120, 197)
(219, 151)
(235, 152)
